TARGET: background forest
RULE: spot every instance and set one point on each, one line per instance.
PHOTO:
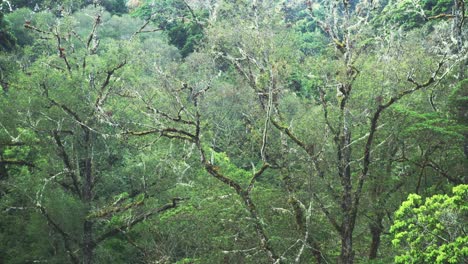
(233, 131)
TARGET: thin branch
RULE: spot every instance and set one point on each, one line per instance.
(306, 234)
(245, 196)
(112, 209)
(92, 34)
(142, 28)
(178, 119)
(166, 132)
(192, 13)
(66, 161)
(373, 129)
(61, 50)
(239, 251)
(138, 219)
(441, 16)
(29, 26)
(16, 162)
(102, 96)
(290, 134)
(214, 171)
(327, 213)
(255, 177)
(325, 111)
(66, 237)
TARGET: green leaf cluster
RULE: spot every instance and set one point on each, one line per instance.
(432, 230)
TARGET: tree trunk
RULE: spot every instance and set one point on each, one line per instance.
(316, 251)
(347, 224)
(347, 254)
(457, 31)
(3, 176)
(465, 166)
(88, 184)
(376, 231)
(88, 247)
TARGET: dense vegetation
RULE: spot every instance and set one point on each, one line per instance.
(233, 131)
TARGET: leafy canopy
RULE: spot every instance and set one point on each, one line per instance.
(432, 230)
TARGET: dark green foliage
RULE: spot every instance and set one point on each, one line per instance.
(24, 16)
(433, 123)
(459, 101)
(297, 16)
(165, 128)
(115, 7)
(185, 36)
(437, 7)
(7, 39)
(304, 86)
(409, 15)
(182, 25)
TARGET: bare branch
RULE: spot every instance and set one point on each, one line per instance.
(29, 26)
(327, 213)
(325, 110)
(61, 49)
(112, 209)
(255, 177)
(66, 237)
(92, 34)
(169, 117)
(373, 129)
(138, 219)
(142, 28)
(192, 13)
(16, 162)
(166, 132)
(66, 161)
(102, 96)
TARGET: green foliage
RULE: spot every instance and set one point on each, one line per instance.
(25, 238)
(312, 40)
(183, 28)
(23, 16)
(243, 52)
(431, 230)
(409, 14)
(115, 7)
(459, 102)
(228, 168)
(304, 86)
(185, 36)
(188, 261)
(7, 39)
(432, 122)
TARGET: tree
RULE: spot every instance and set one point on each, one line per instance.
(344, 161)
(62, 98)
(177, 114)
(296, 129)
(431, 230)
(344, 158)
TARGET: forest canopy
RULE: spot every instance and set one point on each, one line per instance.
(233, 131)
